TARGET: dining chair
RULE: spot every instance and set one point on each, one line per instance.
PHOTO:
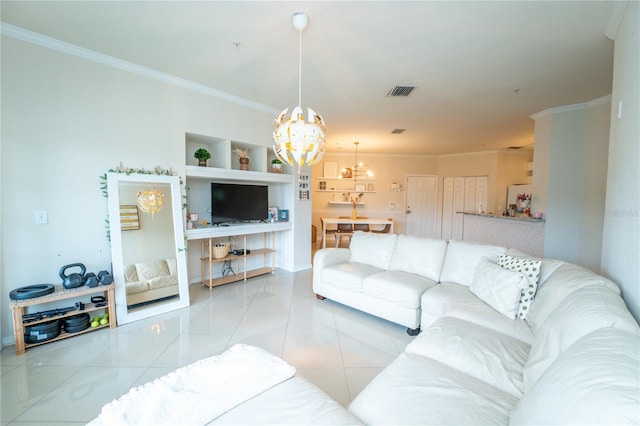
(385, 230)
(361, 226)
(344, 230)
(328, 232)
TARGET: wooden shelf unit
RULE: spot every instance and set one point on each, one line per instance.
(208, 261)
(18, 308)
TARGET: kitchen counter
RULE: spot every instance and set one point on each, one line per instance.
(522, 233)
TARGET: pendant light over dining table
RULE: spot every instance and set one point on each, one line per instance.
(298, 141)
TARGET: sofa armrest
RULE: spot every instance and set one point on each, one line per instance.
(326, 257)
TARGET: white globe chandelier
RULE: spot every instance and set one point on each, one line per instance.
(298, 141)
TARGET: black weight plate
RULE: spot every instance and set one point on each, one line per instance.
(31, 291)
(77, 328)
(75, 320)
(43, 327)
(41, 337)
(77, 324)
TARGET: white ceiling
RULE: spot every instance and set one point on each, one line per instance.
(466, 59)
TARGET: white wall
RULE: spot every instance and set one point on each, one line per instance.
(577, 146)
(621, 236)
(502, 167)
(67, 120)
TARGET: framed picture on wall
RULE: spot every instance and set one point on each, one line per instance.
(129, 220)
(330, 169)
(360, 187)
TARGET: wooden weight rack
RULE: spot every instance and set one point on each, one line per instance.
(18, 308)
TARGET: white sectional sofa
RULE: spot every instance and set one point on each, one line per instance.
(573, 359)
(151, 280)
(489, 353)
(382, 274)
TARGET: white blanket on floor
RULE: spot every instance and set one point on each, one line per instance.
(200, 392)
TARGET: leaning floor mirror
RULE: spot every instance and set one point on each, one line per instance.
(147, 245)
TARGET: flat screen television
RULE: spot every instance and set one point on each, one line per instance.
(232, 202)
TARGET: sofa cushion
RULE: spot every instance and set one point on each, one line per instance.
(498, 287)
(418, 390)
(160, 282)
(566, 279)
(130, 274)
(173, 266)
(136, 287)
(595, 381)
(455, 300)
(530, 268)
(348, 276)
(582, 312)
(399, 288)
(420, 256)
(461, 260)
(487, 355)
(151, 269)
(372, 249)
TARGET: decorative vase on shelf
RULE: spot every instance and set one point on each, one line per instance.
(202, 163)
(523, 204)
(244, 163)
(354, 212)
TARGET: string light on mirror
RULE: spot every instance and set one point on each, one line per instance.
(298, 141)
(150, 201)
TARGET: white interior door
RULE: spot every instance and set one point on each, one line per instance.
(420, 214)
(447, 208)
(458, 207)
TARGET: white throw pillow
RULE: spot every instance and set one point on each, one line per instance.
(498, 287)
(461, 260)
(530, 268)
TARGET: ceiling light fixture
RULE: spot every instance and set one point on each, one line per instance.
(360, 171)
(150, 200)
(298, 141)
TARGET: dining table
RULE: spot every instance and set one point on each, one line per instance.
(343, 220)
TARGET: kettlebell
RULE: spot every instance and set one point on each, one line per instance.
(74, 279)
(91, 280)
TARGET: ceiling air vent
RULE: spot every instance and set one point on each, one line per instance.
(401, 91)
(397, 131)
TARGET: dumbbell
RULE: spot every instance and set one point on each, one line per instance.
(105, 277)
(91, 280)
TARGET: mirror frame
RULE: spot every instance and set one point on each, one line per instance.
(117, 258)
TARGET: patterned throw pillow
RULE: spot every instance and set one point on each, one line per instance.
(530, 268)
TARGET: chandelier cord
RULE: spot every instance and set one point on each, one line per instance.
(300, 69)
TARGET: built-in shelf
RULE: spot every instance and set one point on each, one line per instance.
(345, 203)
(236, 229)
(236, 175)
(349, 179)
(345, 190)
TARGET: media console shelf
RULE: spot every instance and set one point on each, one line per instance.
(208, 261)
(80, 293)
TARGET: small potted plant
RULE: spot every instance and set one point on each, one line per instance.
(202, 155)
(244, 158)
(276, 166)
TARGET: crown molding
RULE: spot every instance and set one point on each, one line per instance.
(573, 107)
(110, 61)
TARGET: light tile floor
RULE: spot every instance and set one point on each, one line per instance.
(337, 348)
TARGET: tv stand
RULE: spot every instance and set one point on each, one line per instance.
(207, 261)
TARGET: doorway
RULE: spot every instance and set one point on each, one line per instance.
(420, 214)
